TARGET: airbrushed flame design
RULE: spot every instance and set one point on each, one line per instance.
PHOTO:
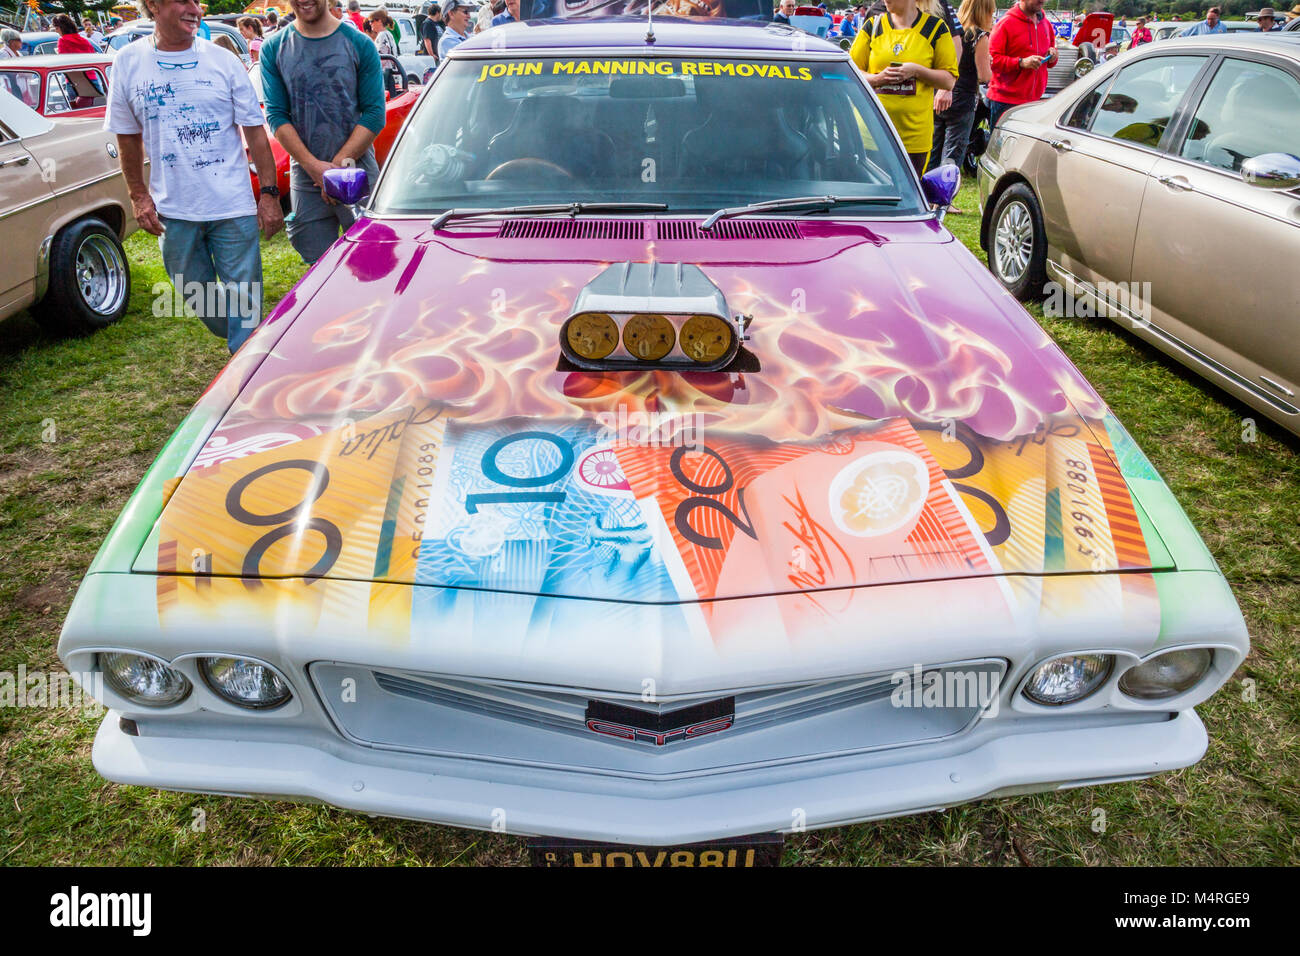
(487, 345)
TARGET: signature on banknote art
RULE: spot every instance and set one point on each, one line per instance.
(636, 531)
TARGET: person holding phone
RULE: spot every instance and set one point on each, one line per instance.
(906, 54)
(1022, 47)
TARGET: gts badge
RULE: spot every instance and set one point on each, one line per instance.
(660, 727)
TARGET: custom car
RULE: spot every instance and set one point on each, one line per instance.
(59, 85)
(1146, 186)
(64, 211)
(649, 466)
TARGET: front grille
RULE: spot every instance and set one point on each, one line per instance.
(534, 724)
(561, 710)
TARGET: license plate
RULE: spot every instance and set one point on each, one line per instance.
(762, 849)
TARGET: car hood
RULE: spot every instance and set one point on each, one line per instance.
(409, 425)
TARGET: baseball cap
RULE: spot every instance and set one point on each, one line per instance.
(451, 6)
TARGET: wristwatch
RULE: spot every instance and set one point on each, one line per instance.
(272, 191)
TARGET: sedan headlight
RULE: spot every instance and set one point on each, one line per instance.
(244, 683)
(1082, 67)
(1167, 675)
(143, 680)
(1065, 680)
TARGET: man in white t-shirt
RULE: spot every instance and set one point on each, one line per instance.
(184, 101)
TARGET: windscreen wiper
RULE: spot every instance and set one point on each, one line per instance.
(797, 202)
(572, 208)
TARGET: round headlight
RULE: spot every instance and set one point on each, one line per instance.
(244, 683)
(1067, 679)
(1167, 675)
(1082, 67)
(706, 338)
(143, 680)
(592, 335)
(649, 336)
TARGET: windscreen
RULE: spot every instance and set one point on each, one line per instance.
(696, 134)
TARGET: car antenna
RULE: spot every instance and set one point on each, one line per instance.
(649, 22)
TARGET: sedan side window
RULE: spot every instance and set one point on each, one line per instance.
(1249, 109)
(1081, 116)
(58, 95)
(82, 89)
(25, 86)
(1141, 102)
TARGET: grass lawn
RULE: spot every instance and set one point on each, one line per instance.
(113, 398)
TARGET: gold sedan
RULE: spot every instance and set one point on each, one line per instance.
(1163, 191)
(64, 211)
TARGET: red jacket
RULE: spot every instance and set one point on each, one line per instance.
(74, 43)
(1017, 36)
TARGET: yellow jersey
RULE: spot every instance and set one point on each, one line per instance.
(910, 104)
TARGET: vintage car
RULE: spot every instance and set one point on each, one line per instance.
(39, 43)
(59, 85)
(1079, 52)
(649, 466)
(64, 212)
(1157, 179)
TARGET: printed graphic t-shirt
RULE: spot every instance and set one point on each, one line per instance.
(188, 105)
(910, 104)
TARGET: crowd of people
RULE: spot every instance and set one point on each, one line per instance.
(324, 97)
(323, 92)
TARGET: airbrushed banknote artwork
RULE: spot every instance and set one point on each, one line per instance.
(878, 442)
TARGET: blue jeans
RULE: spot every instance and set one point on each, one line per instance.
(217, 270)
(996, 110)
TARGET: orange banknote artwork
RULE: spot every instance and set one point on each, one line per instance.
(866, 506)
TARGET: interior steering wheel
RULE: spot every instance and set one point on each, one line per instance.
(511, 168)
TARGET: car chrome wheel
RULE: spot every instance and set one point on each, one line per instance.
(1013, 242)
(101, 274)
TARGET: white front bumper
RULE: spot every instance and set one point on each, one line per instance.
(581, 806)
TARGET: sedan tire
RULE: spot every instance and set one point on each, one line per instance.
(90, 280)
(1018, 244)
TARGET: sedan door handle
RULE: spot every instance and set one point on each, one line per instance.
(1179, 183)
(1060, 145)
(20, 161)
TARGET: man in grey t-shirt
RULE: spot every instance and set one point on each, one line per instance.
(324, 95)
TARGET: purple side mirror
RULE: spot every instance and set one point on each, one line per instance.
(348, 185)
(940, 185)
